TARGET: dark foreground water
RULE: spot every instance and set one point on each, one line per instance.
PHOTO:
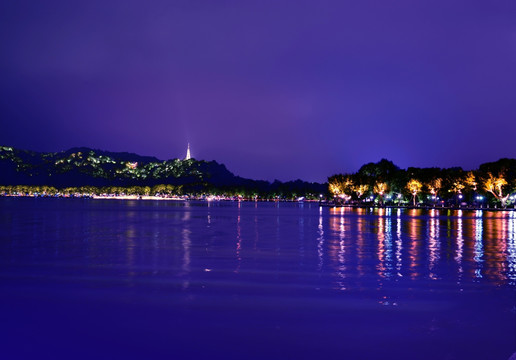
(108, 279)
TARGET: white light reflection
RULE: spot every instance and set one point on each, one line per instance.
(186, 243)
(511, 248)
(381, 243)
(342, 251)
(460, 244)
(361, 242)
(238, 241)
(320, 239)
(388, 243)
(384, 243)
(479, 246)
(434, 244)
(399, 246)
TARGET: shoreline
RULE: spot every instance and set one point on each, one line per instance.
(423, 207)
(135, 197)
(221, 199)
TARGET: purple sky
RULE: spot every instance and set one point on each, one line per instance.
(273, 89)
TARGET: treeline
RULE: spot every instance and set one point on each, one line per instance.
(34, 190)
(383, 183)
(282, 191)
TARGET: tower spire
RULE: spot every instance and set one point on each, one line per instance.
(188, 156)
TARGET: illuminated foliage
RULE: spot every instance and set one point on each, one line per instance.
(340, 186)
(434, 186)
(495, 185)
(457, 186)
(471, 181)
(335, 188)
(414, 186)
(380, 188)
(360, 189)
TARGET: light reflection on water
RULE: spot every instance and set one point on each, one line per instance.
(276, 276)
(347, 243)
(511, 247)
(434, 244)
(482, 243)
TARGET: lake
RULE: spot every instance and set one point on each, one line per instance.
(111, 279)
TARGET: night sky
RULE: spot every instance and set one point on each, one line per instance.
(273, 89)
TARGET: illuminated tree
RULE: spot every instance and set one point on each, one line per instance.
(457, 187)
(380, 188)
(414, 186)
(360, 189)
(341, 186)
(495, 186)
(471, 181)
(434, 186)
(335, 188)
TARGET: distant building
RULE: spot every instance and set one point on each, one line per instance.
(188, 155)
(132, 165)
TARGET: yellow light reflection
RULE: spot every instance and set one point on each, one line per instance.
(495, 246)
(415, 236)
(336, 247)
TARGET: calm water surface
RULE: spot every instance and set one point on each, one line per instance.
(108, 279)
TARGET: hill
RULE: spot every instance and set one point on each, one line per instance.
(91, 167)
